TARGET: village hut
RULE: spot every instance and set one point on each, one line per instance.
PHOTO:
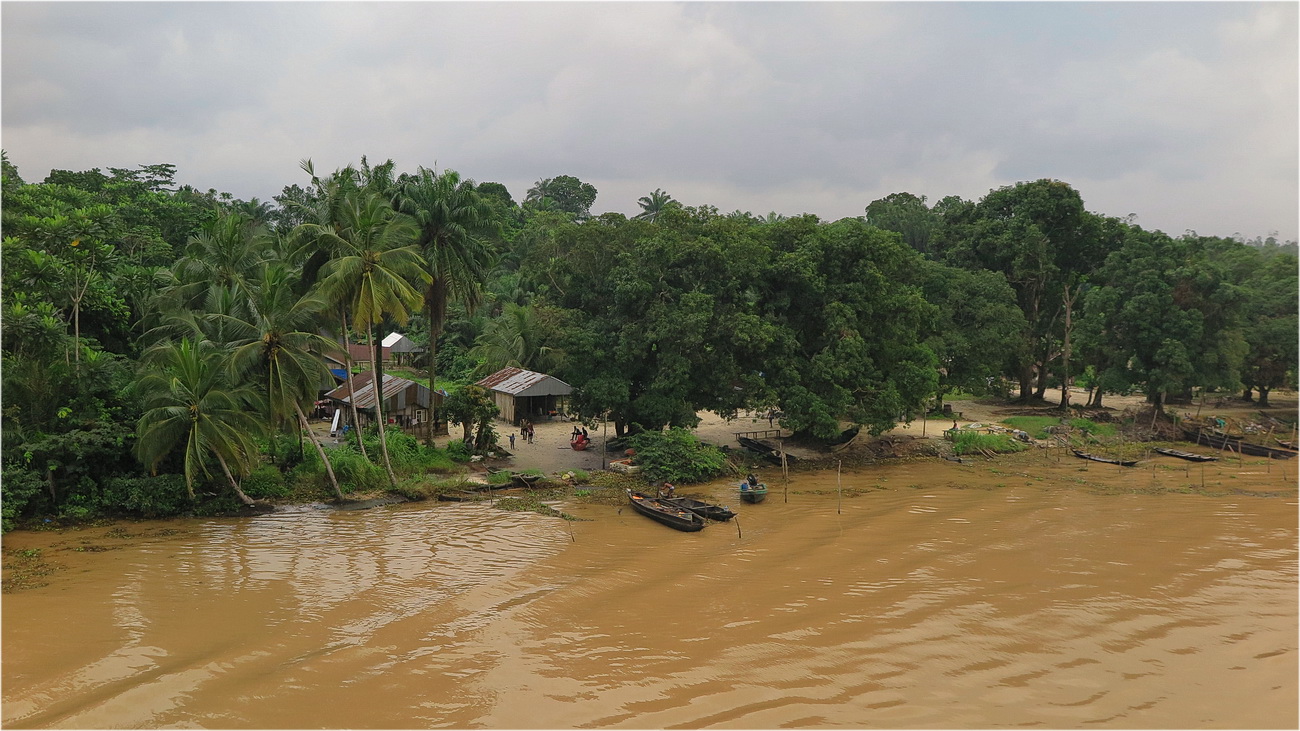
(406, 403)
(521, 394)
(399, 349)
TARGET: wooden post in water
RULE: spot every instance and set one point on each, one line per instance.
(839, 490)
(785, 471)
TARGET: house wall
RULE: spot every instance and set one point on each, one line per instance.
(506, 403)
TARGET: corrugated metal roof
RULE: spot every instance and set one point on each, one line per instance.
(519, 382)
(366, 394)
(399, 343)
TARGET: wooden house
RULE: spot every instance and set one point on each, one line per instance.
(521, 394)
(406, 403)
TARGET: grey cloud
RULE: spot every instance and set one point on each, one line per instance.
(818, 104)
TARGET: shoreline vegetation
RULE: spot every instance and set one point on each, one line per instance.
(429, 474)
(173, 351)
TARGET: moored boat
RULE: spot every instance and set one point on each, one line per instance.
(753, 493)
(1189, 456)
(670, 515)
(524, 480)
(1221, 441)
(701, 508)
(1109, 460)
(765, 450)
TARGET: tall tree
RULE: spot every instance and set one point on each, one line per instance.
(1040, 237)
(653, 205)
(373, 276)
(278, 345)
(515, 339)
(192, 405)
(907, 215)
(566, 192)
(450, 218)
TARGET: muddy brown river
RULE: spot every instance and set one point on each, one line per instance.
(1023, 592)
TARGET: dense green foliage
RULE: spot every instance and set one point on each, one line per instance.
(676, 455)
(154, 328)
(973, 442)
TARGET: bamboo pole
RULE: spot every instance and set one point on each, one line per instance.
(839, 489)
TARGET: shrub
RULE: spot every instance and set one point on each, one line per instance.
(265, 482)
(966, 442)
(458, 452)
(148, 497)
(676, 455)
(19, 489)
(353, 471)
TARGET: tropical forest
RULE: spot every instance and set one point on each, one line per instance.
(163, 346)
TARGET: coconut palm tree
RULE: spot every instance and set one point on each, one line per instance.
(276, 342)
(450, 215)
(190, 404)
(318, 239)
(372, 275)
(513, 340)
(227, 253)
(654, 204)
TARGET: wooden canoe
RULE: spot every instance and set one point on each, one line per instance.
(1109, 460)
(701, 508)
(1189, 456)
(670, 515)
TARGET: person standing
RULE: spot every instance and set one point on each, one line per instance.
(512, 440)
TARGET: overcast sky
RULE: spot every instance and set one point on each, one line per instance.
(1182, 113)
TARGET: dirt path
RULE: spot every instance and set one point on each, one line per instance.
(550, 451)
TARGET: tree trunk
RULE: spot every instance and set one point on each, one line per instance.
(1065, 350)
(329, 469)
(233, 484)
(1041, 391)
(1096, 399)
(1026, 382)
(435, 329)
(379, 412)
(1263, 397)
(352, 389)
(377, 351)
(1245, 393)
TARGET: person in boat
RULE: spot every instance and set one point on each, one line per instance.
(667, 490)
(751, 480)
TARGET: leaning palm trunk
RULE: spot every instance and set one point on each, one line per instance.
(329, 469)
(231, 478)
(352, 389)
(379, 413)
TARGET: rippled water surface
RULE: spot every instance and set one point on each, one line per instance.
(937, 595)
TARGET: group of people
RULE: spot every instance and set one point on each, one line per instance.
(525, 432)
(579, 437)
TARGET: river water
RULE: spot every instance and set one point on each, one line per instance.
(925, 595)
